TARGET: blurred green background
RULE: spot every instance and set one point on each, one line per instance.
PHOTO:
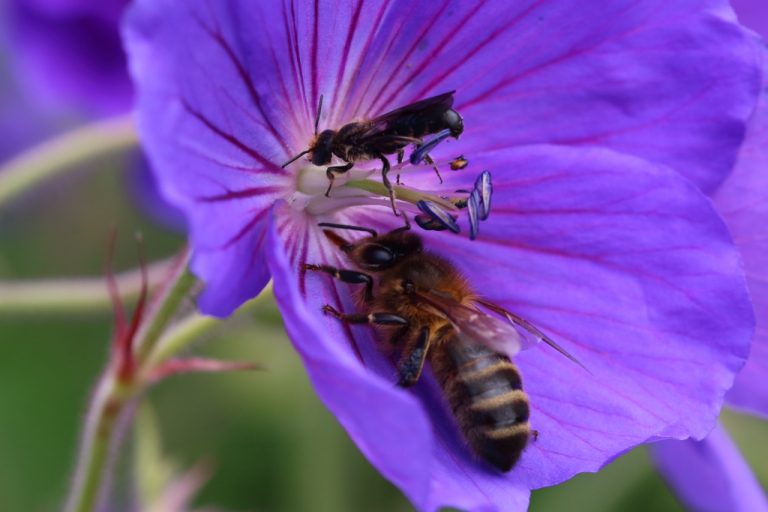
(272, 444)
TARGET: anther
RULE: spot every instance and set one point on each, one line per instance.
(439, 215)
(474, 209)
(485, 189)
(422, 150)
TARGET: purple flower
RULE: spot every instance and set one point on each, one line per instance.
(742, 200)
(578, 112)
(710, 474)
(753, 14)
(69, 52)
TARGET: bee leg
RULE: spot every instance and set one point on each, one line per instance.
(346, 276)
(535, 435)
(411, 364)
(376, 318)
(387, 183)
(431, 162)
(335, 169)
(400, 156)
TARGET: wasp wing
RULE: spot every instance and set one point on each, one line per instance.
(435, 104)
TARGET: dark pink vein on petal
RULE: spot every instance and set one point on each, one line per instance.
(292, 31)
(269, 167)
(239, 194)
(351, 29)
(426, 27)
(450, 35)
(361, 56)
(315, 44)
(363, 90)
(258, 217)
(458, 64)
(245, 76)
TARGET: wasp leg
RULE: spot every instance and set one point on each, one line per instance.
(346, 276)
(335, 169)
(411, 364)
(387, 183)
(376, 318)
(431, 162)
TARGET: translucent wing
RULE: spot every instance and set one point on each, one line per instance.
(435, 104)
(506, 333)
(531, 334)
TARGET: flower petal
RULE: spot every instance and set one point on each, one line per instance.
(710, 474)
(627, 266)
(743, 203)
(388, 425)
(206, 138)
(618, 74)
(71, 53)
(754, 14)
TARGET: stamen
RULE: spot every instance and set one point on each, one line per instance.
(427, 223)
(485, 189)
(473, 209)
(421, 151)
(439, 215)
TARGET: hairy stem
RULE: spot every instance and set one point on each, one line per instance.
(179, 337)
(73, 295)
(107, 404)
(64, 153)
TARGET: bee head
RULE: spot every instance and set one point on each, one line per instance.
(321, 149)
(381, 252)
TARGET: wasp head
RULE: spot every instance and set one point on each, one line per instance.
(321, 149)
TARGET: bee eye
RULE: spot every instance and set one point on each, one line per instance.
(377, 256)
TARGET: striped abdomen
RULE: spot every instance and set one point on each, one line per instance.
(485, 391)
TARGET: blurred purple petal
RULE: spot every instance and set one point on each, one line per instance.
(70, 52)
(710, 475)
(753, 14)
(743, 203)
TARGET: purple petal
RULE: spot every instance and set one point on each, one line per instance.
(576, 73)
(754, 14)
(71, 53)
(387, 424)
(208, 144)
(634, 274)
(710, 474)
(743, 203)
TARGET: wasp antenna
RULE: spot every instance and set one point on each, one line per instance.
(319, 109)
(348, 226)
(295, 158)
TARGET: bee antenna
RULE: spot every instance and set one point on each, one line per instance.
(319, 109)
(295, 158)
(333, 225)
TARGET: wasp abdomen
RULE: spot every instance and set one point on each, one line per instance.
(485, 392)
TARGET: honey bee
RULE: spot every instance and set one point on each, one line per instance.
(428, 310)
(386, 134)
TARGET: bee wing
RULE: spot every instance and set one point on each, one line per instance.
(507, 335)
(476, 325)
(438, 103)
(531, 334)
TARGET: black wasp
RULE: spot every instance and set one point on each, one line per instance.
(386, 134)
